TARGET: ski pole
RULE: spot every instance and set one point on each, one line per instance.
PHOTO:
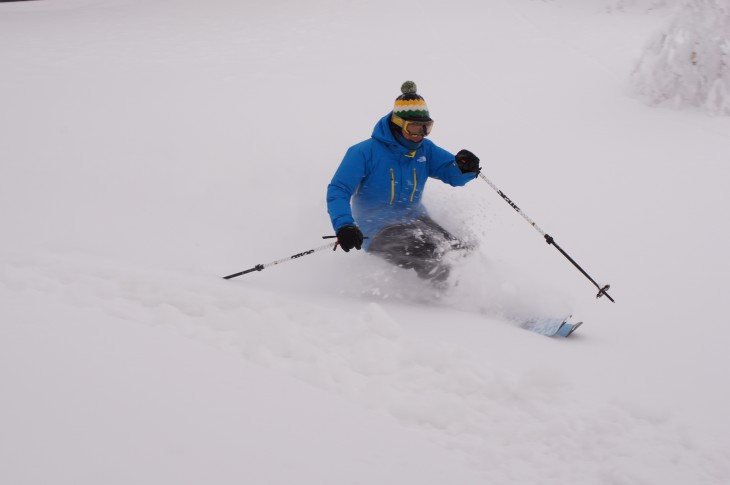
(601, 290)
(261, 267)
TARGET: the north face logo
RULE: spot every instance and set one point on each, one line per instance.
(421, 159)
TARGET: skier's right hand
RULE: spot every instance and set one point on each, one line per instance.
(349, 237)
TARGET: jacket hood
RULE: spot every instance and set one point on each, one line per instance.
(382, 132)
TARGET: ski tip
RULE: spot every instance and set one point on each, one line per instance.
(566, 329)
(573, 328)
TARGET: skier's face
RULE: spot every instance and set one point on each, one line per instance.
(413, 138)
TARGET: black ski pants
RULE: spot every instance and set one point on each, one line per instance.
(420, 245)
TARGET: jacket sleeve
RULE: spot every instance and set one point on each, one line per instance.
(347, 178)
(443, 167)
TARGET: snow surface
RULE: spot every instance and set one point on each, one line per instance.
(149, 148)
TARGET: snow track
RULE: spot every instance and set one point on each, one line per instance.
(511, 426)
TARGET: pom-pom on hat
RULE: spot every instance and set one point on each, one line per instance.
(409, 105)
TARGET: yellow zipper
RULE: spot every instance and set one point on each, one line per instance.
(392, 186)
(415, 184)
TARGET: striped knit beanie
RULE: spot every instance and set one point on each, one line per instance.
(409, 105)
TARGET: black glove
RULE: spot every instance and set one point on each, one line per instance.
(349, 237)
(467, 162)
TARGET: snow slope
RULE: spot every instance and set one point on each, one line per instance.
(149, 148)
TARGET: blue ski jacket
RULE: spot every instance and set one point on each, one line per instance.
(385, 181)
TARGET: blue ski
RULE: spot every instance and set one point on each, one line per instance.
(551, 327)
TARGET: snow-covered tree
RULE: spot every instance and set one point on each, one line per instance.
(688, 63)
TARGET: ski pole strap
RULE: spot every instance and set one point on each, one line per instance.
(261, 267)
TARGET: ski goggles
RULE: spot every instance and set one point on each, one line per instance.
(415, 128)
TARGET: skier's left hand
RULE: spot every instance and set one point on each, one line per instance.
(467, 162)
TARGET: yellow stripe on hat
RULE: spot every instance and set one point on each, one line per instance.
(410, 103)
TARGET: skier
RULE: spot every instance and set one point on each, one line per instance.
(385, 177)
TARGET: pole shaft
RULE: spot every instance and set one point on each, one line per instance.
(299, 255)
(261, 267)
(512, 204)
(549, 239)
